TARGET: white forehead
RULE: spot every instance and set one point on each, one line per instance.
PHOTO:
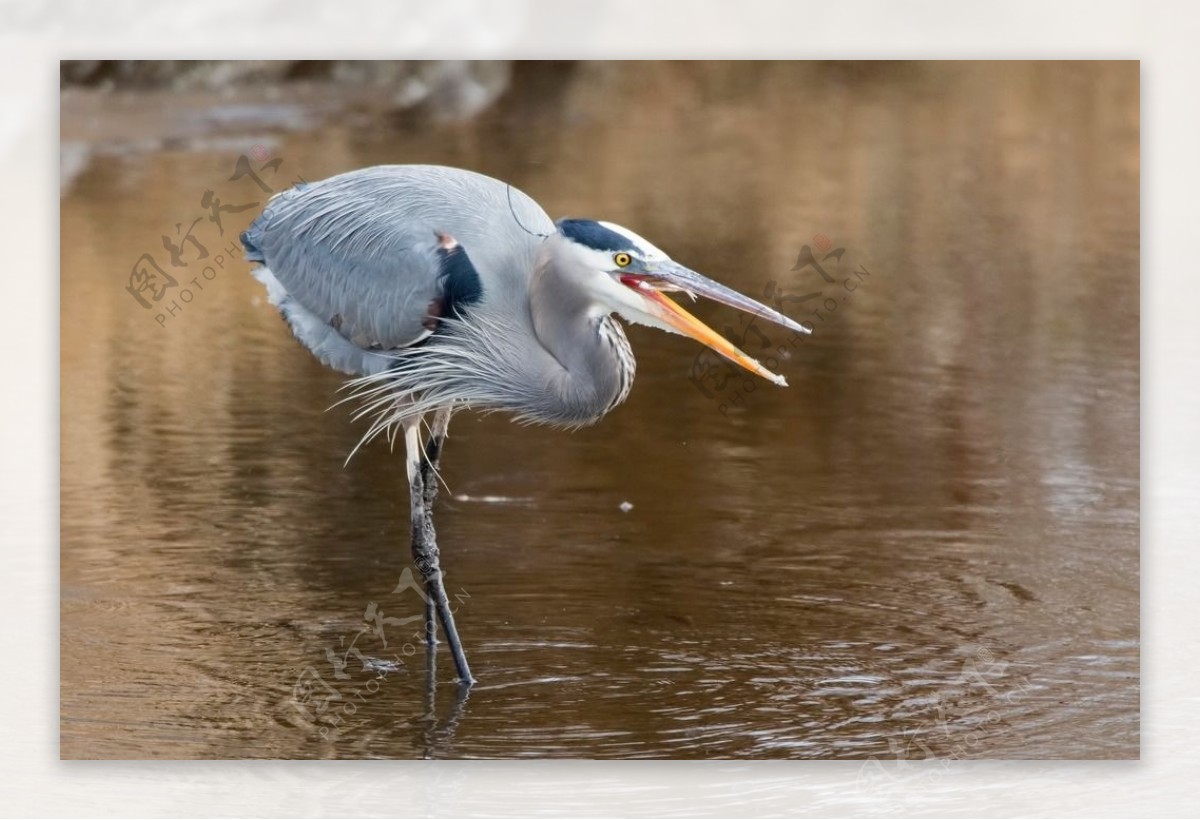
(645, 248)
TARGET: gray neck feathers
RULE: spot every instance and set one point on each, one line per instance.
(593, 365)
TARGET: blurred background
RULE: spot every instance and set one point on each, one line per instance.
(926, 547)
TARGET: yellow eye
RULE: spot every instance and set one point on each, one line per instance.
(622, 259)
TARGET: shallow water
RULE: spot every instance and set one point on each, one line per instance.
(927, 546)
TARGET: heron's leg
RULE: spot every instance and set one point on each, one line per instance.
(425, 552)
(433, 452)
(430, 482)
(424, 539)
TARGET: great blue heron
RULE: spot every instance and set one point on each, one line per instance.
(440, 289)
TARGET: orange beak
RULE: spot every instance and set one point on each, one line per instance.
(671, 276)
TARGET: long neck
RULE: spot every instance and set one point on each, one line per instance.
(596, 364)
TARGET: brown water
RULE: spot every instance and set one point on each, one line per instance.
(927, 546)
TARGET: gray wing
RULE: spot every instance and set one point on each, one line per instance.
(359, 264)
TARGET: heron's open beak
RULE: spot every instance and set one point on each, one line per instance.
(669, 276)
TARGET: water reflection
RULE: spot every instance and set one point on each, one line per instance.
(928, 545)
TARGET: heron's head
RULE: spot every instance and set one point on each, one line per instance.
(625, 274)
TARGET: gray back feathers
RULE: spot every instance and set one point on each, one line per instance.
(358, 252)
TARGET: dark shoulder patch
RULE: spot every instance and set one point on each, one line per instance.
(460, 281)
(253, 253)
(594, 235)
